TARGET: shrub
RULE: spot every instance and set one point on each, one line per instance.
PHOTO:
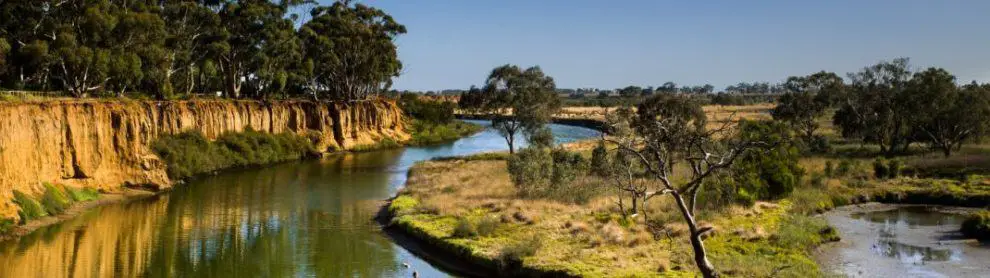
(190, 153)
(487, 226)
(541, 173)
(512, 255)
(427, 110)
(5, 225)
(977, 225)
(829, 169)
(464, 229)
(880, 169)
(30, 209)
(599, 160)
(425, 132)
(845, 167)
(894, 168)
(82, 194)
(770, 174)
(55, 201)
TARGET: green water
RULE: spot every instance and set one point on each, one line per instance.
(305, 219)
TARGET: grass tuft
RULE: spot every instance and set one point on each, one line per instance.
(82, 194)
(55, 201)
(30, 209)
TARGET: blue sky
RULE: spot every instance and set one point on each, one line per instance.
(610, 44)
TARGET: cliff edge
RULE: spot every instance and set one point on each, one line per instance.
(105, 144)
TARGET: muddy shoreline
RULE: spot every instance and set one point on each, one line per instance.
(898, 240)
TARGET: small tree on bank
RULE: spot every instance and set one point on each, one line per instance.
(670, 130)
(517, 101)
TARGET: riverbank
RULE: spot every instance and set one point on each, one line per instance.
(189, 155)
(541, 237)
(444, 198)
(75, 209)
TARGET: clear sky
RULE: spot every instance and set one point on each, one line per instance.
(610, 44)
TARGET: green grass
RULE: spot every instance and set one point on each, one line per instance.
(30, 209)
(5, 225)
(82, 194)
(475, 157)
(55, 201)
(191, 153)
(402, 204)
(384, 143)
(426, 133)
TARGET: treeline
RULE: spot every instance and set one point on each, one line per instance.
(889, 105)
(167, 49)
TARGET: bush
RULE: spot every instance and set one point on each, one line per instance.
(512, 255)
(599, 160)
(880, 168)
(845, 167)
(82, 194)
(541, 173)
(5, 225)
(894, 168)
(464, 229)
(55, 201)
(977, 225)
(426, 110)
(30, 209)
(771, 174)
(883, 168)
(829, 169)
(487, 226)
(190, 153)
(425, 132)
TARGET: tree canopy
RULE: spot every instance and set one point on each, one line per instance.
(165, 49)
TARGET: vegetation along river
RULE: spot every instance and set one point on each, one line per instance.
(306, 218)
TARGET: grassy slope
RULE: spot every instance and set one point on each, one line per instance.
(591, 240)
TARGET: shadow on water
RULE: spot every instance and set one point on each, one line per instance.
(306, 218)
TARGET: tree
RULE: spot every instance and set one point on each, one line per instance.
(352, 50)
(806, 100)
(630, 91)
(518, 101)
(871, 111)
(670, 130)
(943, 114)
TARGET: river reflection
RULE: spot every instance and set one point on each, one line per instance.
(310, 218)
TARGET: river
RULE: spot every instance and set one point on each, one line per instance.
(309, 218)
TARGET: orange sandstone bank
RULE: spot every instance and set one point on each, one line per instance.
(106, 144)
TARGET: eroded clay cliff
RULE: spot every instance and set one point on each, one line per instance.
(106, 144)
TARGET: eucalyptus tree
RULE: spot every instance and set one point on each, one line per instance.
(807, 99)
(669, 130)
(350, 50)
(518, 101)
(945, 115)
(871, 110)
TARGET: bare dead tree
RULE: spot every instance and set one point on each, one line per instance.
(668, 130)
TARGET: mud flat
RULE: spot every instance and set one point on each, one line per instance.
(883, 240)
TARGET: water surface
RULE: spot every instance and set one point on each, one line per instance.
(903, 241)
(300, 219)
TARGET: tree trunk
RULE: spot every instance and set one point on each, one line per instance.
(510, 139)
(700, 255)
